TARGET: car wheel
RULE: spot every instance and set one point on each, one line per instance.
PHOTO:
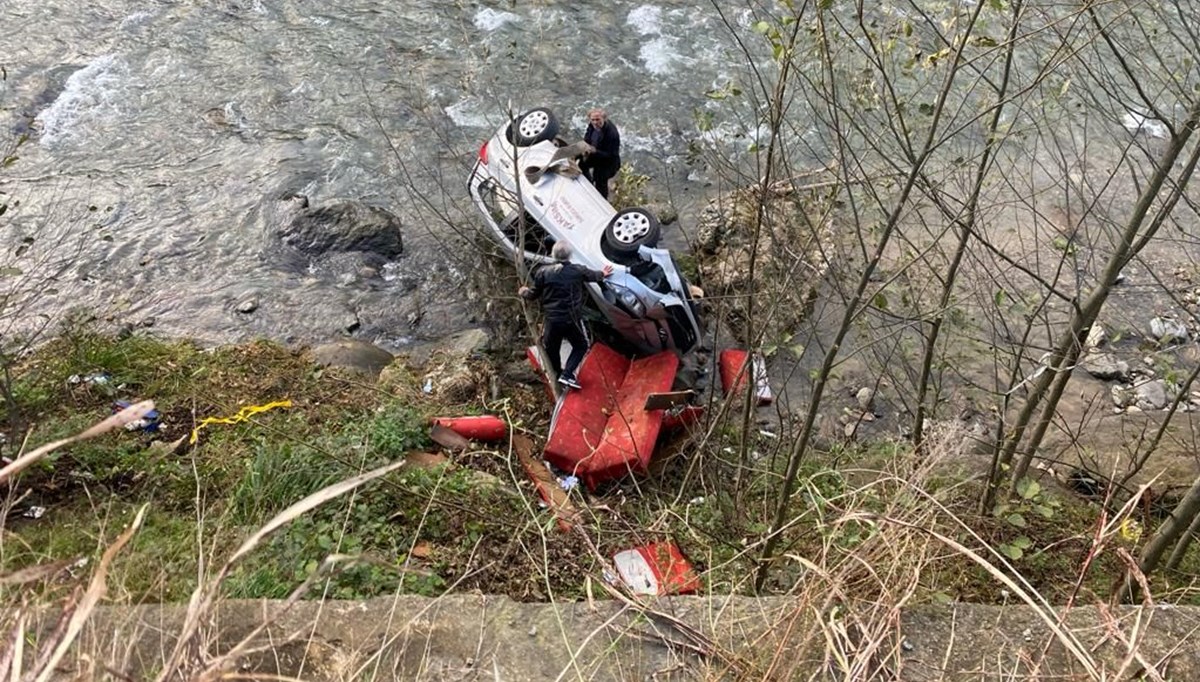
(533, 126)
(631, 228)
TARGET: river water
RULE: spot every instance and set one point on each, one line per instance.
(163, 135)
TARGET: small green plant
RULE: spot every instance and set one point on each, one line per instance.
(630, 188)
(1030, 499)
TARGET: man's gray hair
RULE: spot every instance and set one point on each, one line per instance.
(561, 251)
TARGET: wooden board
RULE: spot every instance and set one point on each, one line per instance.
(449, 439)
(548, 489)
(663, 401)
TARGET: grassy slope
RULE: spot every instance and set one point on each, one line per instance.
(474, 525)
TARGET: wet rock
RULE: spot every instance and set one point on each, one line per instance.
(1105, 366)
(1168, 330)
(1123, 395)
(865, 399)
(248, 306)
(666, 213)
(469, 342)
(344, 226)
(358, 356)
(1152, 395)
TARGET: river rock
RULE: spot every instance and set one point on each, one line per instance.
(1168, 330)
(1096, 337)
(358, 356)
(1105, 366)
(1123, 395)
(1152, 395)
(344, 226)
(865, 398)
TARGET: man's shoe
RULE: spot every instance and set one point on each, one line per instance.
(567, 380)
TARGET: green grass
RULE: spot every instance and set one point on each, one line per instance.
(425, 531)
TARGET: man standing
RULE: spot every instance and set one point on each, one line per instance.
(559, 286)
(603, 158)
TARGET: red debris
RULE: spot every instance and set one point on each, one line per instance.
(732, 364)
(602, 431)
(655, 569)
(685, 416)
(484, 427)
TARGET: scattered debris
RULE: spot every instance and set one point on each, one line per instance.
(241, 416)
(656, 569)
(448, 439)
(33, 512)
(1167, 330)
(547, 486)
(90, 380)
(663, 401)
(602, 431)
(732, 363)
(149, 422)
(683, 416)
(483, 427)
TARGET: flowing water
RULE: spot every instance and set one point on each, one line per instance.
(164, 135)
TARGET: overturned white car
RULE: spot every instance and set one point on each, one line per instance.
(527, 187)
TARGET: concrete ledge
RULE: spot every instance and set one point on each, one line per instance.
(464, 637)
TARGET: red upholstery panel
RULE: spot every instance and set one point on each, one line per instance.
(631, 432)
(578, 425)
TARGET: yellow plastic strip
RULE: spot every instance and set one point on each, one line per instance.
(241, 416)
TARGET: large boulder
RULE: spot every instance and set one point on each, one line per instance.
(353, 355)
(343, 226)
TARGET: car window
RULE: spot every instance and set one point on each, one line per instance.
(502, 205)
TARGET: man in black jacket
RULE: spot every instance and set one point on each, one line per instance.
(603, 158)
(559, 286)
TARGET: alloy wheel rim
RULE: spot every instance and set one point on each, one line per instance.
(533, 123)
(631, 227)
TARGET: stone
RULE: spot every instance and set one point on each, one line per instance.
(1096, 337)
(248, 306)
(1105, 366)
(468, 343)
(865, 398)
(1123, 395)
(352, 354)
(344, 226)
(1167, 330)
(1152, 395)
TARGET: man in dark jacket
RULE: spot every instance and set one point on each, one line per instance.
(603, 158)
(559, 286)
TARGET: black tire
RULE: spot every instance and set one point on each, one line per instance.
(532, 127)
(631, 228)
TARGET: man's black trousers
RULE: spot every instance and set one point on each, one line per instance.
(552, 338)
